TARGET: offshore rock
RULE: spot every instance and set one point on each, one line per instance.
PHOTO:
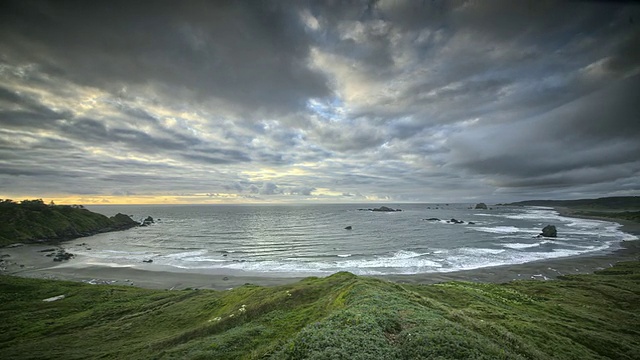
(63, 255)
(481, 206)
(147, 221)
(348, 228)
(549, 231)
(123, 222)
(385, 209)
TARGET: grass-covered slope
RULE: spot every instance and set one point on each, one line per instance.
(32, 220)
(339, 317)
(605, 203)
(615, 215)
(615, 208)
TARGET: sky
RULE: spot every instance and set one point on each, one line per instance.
(391, 101)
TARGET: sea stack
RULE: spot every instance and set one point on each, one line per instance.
(481, 206)
(549, 231)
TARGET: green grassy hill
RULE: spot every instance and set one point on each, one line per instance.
(339, 317)
(32, 220)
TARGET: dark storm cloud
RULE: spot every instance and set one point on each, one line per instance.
(251, 54)
(590, 140)
(405, 100)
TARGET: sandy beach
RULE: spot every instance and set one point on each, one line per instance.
(31, 260)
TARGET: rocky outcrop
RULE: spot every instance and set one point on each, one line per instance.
(432, 219)
(481, 206)
(148, 221)
(455, 221)
(123, 222)
(549, 231)
(63, 255)
(385, 209)
(381, 208)
(348, 228)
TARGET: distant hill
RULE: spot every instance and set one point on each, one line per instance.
(32, 220)
(605, 203)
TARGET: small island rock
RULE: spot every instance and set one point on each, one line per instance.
(549, 231)
(385, 209)
(481, 206)
(348, 228)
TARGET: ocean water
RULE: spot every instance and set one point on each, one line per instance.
(305, 240)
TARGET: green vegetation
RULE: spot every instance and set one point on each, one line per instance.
(618, 215)
(616, 208)
(339, 317)
(32, 220)
(605, 203)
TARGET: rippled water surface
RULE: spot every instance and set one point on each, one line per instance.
(311, 240)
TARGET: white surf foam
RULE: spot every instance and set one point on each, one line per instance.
(480, 251)
(520, 245)
(498, 229)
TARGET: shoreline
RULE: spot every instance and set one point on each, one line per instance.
(628, 226)
(29, 260)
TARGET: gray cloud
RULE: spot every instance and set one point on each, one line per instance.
(363, 100)
(593, 139)
(270, 188)
(301, 190)
(252, 55)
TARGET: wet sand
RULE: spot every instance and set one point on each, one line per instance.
(32, 261)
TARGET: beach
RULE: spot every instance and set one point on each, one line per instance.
(31, 260)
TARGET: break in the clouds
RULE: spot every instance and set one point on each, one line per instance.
(204, 101)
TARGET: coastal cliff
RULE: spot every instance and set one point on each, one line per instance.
(33, 220)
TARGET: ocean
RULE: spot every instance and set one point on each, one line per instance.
(311, 240)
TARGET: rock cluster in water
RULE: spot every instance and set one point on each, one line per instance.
(61, 255)
(481, 206)
(381, 208)
(452, 221)
(148, 221)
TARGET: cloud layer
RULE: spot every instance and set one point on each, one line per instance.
(336, 101)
